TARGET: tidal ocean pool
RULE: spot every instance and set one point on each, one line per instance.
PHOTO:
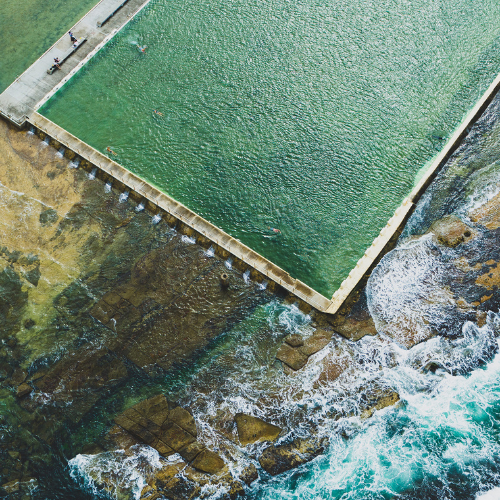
(311, 117)
(30, 27)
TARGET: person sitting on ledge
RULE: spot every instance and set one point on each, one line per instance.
(110, 150)
(56, 62)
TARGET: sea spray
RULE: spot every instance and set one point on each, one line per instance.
(113, 473)
(190, 240)
(405, 287)
(440, 442)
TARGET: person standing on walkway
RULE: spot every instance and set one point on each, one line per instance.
(72, 37)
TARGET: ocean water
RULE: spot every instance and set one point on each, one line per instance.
(310, 117)
(440, 441)
(30, 27)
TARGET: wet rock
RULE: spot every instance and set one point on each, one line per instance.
(451, 231)
(18, 377)
(317, 341)
(190, 451)
(174, 436)
(118, 438)
(332, 367)
(432, 367)
(162, 477)
(208, 461)
(29, 323)
(184, 419)
(23, 390)
(149, 493)
(253, 429)
(223, 422)
(33, 275)
(48, 217)
(294, 340)
(481, 317)
(179, 488)
(163, 448)
(155, 408)
(291, 356)
(82, 377)
(11, 487)
(375, 397)
(24, 485)
(249, 474)
(355, 321)
(488, 214)
(153, 423)
(278, 459)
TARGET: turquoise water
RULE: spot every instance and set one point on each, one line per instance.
(310, 117)
(30, 27)
(441, 443)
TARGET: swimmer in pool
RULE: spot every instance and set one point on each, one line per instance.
(109, 150)
(157, 112)
(143, 48)
(274, 230)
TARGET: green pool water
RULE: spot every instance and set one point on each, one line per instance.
(311, 117)
(29, 27)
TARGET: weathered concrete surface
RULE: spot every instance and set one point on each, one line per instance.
(35, 86)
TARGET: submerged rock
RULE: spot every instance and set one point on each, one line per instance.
(278, 459)
(23, 390)
(451, 231)
(295, 351)
(253, 429)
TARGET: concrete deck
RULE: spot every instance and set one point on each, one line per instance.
(35, 86)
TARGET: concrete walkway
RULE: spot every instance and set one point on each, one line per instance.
(35, 86)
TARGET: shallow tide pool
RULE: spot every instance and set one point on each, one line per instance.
(312, 118)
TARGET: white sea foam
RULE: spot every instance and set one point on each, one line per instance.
(493, 494)
(112, 473)
(188, 239)
(405, 287)
(210, 252)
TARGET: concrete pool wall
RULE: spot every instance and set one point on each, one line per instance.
(22, 110)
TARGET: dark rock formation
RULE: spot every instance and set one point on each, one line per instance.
(451, 231)
(277, 459)
(253, 429)
(295, 350)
